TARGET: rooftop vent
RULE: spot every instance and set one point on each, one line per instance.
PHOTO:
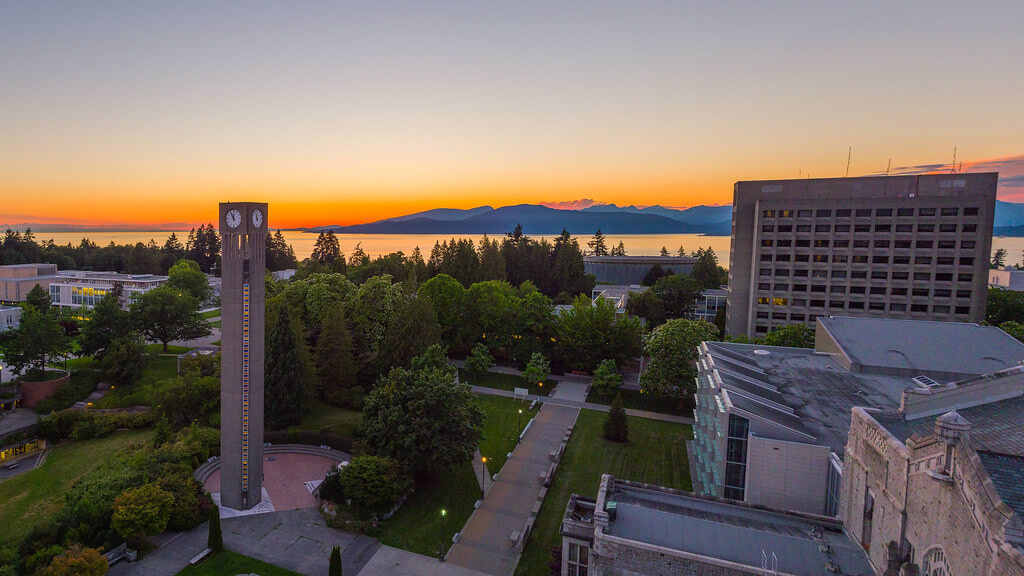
(762, 353)
(925, 382)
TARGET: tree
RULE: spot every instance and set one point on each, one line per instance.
(681, 253)
(142, 511)
(108, 322)
(39, 337)
(619, 250)
(326, 250)
(373, 484)
(38, 299)
(446, 294)
(589, 332)
(123, 361)
(664, 251)
(335, 364)
(597, 245)
(188, 398)
(706, 270)
(998, 258)
(161, 432)
(479, 361)
(421, 417)
(673, 351)
(186, 277)
(1013, 328)
(334, 568)
(1004, 305)
(678, 294)
(537, 369)
(411, 329)
(166, 313)
(791, 335)
(616, 427)
(607, 379)
(215, 540)
(284, 385)
(654, 274)
(76, 561)
(646, 305)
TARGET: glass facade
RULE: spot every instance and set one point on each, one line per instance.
(86, 295)
(835, 477)
(55, 294)
(736, 457)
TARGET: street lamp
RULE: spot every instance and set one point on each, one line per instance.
(483, 472)
(444, 531)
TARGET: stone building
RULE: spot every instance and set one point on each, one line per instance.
(938, 485)
(17, 279)
(634, 529)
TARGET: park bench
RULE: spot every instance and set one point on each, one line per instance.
(200, 557)
(120, 552)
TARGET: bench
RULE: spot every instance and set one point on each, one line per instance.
(200, 557)
(120, 552)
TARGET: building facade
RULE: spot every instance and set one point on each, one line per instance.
(83, 288)
(1008, 279)
(771, 423)
(708, 304)
(10, 317)
(634, 529)
(633, 269)
(897, 247)
(17, 279)
(940, 482)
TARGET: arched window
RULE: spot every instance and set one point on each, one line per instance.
(934, 563)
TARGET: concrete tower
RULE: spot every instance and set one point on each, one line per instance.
(243, 231)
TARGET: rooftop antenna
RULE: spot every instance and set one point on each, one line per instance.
(953, 168)
(849, 154)
(888, 168)
(961, 169)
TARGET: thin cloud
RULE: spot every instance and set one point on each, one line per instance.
(1010, 168)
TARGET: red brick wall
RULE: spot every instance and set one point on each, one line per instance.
(33, 392)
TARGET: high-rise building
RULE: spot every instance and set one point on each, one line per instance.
(912, 247)
(243, 229)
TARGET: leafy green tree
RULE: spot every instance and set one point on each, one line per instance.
(142, 511)
(411, 329)
(374, 484)
(607, 379)
(166, 313)
(335, 364)
(479, 361)
(673, 351)
(161, 432)
(186, 277)
(123, 361)
(706, 270)
(324, 294)
(38, 338)
(108, 322)
(284, 384)
(998, 258)
(334, 568)
(188, 398)
(38, 298)
(76, 561)
(791, 335)
(678, 294)
(369, 313)
(1004, 305)
(589, 333)
(597, 244)
(646, 305)
(487, 314)
(652, 276)
(616, 427)
(422, 418)
(537, 369)
(446, 294)
(1013, 328)
(533, 324)
(215, 539)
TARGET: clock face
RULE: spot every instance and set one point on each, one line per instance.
(257, 218)
(233, 218)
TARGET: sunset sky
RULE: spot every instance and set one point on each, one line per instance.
(150, 113)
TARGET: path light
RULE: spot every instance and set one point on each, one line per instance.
(483, 471)
(444, 531)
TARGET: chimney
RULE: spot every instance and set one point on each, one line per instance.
(951, 428)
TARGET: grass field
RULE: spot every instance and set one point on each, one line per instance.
(35, 496)
(229, 564)
(211, 314)
(158, 368)
(326, 418)
(159, 349)
(501, 427)
(505, 382)
(637, 401)
(656, 454)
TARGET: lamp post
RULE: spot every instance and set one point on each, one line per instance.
(483, 473)
(444, 532)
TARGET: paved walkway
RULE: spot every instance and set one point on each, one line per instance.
(484, 544)
(585, 405)
(389, 561)
(570, 390)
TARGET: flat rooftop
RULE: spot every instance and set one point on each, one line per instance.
(805, 391)
(113, 276)
(917, 345)
(737, 533)
(641, 259)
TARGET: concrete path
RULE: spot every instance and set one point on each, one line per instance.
(570, 390)
(389, 561)
(484, 544)
(25, 463)
(585, 405)
(17, 419)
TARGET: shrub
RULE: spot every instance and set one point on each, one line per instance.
(215, 540)
(616, 428)
(607, 379)
(374, 484)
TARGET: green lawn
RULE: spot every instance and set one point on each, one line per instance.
(326, 418)
(637, 401)
(214, 324)
(656, 454)
(35, 496)
(228, 563)
(505, 382)
(211, 314)
(502, 426)
(159, 349)
(141, 393)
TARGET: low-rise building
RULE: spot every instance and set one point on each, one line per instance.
(81, 288)
(1008, 278)
(633, 529)
(10, 316)
(709, 302)
(771, 423)
(633, 269)
(17, 279)
(939, 481)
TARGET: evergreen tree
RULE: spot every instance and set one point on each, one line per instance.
(285, 388)
(597, 245)
(492, 263)
(358, 257)
(334, 362)
(39, 299)
(619, 250)
(682, 251)
(326, 250)
(998, 258)
(707, 271)
(616, 427)
(664, 251)
(215, 540)
(335, 566)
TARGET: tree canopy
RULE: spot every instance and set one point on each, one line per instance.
(673, 351)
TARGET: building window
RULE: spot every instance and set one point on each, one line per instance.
(950, 211)
(768, 214)
(835, 476)
(926, 227)
(824, 213)
(905, 212)
(578, 561)
(843, 213)
(736, 457)
(864, 212)
(804, 213)
(971, 211)
(926, 212)
(869, 515)
(55, 294)
(904, 227)
(934, 563)
(883, 212)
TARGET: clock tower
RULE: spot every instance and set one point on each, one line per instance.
(243, 232)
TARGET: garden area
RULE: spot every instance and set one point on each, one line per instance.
(637, 400)
(506, 382)
(226, 563)
(655, 454)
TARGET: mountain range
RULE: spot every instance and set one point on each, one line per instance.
(609, 218)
